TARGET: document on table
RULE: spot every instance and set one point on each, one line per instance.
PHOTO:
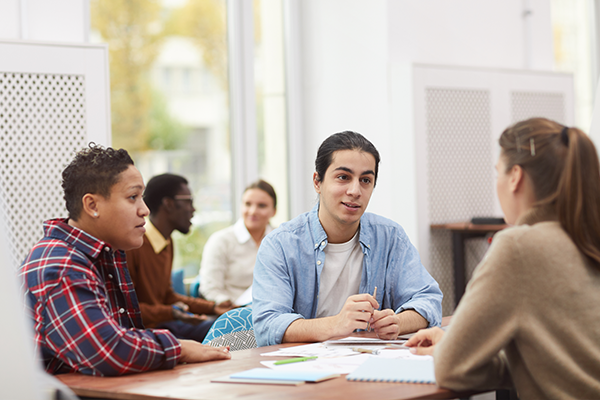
(339, 359)
(338, 365)
(311, 350)
(333, 348)
(342, 365)
(360, 341)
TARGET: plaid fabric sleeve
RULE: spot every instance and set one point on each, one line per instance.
(81, 332)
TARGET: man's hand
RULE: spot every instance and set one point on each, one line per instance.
(194, 352)
(355, 314)
(180, 312)
(223, 307)
(226, 304)
(424, 341)
(386, 324)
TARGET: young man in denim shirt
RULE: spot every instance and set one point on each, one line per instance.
(314, 275)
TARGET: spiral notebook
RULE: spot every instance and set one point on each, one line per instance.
(378, 369)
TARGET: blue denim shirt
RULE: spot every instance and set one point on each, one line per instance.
(291, 258)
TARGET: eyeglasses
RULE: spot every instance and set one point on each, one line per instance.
(188, 198)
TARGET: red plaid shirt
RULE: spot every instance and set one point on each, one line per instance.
(85, 311)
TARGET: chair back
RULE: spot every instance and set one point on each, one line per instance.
(234, 329)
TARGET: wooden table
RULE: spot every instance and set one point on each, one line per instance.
(192, 381)
(462, 231)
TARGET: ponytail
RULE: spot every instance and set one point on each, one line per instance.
(564, 168)
(578, 194)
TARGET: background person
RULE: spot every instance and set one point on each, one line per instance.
(84, 308)
(315, 274)
(171, 208)
(230, 254)
(529, 316)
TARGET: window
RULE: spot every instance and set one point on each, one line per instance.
(170, 103)
(572, 27)
(271, 101)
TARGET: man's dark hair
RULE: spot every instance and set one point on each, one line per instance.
(94, 170)
(265, 187)
(346, 140)
(161, 186)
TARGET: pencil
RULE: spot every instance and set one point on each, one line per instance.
(294, 360)
(369, 323)
(362, 350)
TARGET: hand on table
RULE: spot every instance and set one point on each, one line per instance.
(423, 342)
(386, 324)
(355, 314)
(194, 352)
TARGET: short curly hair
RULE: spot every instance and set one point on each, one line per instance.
(94, 170)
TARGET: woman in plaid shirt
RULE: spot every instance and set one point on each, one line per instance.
(77, 287)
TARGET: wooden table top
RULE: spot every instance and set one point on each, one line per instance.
(192, 382)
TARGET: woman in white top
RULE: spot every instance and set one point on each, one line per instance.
(229, 254)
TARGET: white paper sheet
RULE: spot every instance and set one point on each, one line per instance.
(311, 350)
(339, 365)
(337, 358)
(342, 364)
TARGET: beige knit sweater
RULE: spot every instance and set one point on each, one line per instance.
(530, 315)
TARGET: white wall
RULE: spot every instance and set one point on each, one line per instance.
(476, 33)
(356, 63)
(9, 19)
(44, 20)
(344, 75)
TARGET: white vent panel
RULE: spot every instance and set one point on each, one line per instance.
(458, 132)
(42, 124)
(526, 105)
(460, 186)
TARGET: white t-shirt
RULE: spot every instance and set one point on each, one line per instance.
(340, 277)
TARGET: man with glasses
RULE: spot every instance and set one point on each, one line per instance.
(171, 208)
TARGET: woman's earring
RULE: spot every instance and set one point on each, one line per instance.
(95, 214)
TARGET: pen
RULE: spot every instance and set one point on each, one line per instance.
(293, 360)
(361, 350)
(369, 323)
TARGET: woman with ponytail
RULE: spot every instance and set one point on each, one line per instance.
(530, 317)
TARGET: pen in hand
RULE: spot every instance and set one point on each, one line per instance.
(369, 323)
